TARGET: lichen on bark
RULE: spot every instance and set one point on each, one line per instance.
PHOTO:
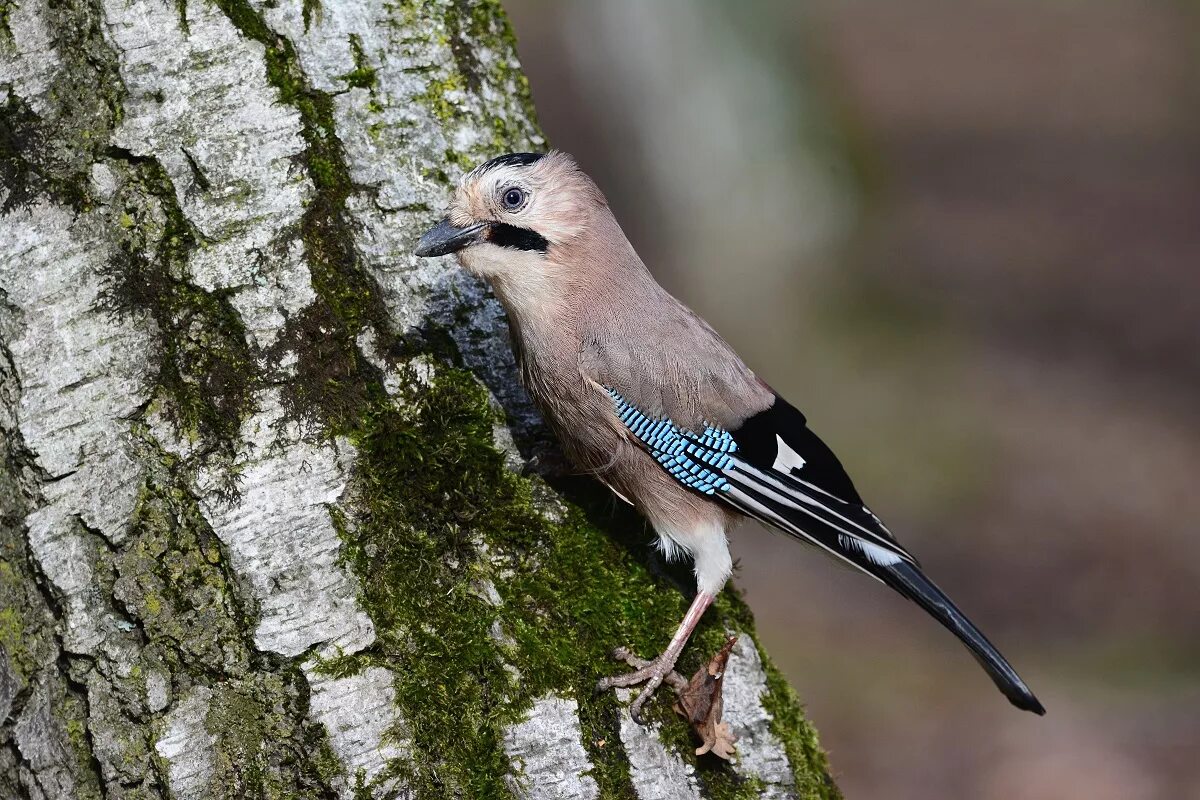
(264, 527)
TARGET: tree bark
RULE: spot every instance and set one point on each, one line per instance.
(271, 512)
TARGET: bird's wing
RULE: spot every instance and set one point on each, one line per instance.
(773, 468)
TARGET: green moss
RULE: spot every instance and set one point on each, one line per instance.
(27, 632)
(181, 10)
(469, 28)
(363, 74)
(184, 601)
(12, 636)
(207, 371)
(21, 140)
(69, 710)
(441, 517)
(259, 728)
(436, 96)
(310, 10)
(173, 578)
(27, 167)
(414, 548)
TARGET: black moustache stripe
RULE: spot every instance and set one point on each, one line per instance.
(517, 238)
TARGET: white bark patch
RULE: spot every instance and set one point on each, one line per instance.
(66, 555)
(760, 753)
(31, 68)
(546, 751)
(82, 373)
(360, 714)
(202, 105)
(158, 690)
(281, 539)
(188, 748)
(657, 773)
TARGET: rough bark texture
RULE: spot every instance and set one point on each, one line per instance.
(267, 523)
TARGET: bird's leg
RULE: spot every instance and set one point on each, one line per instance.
(654, 672)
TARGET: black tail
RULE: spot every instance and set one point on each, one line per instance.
(909, 581)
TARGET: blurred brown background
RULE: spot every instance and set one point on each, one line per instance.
(965, 238)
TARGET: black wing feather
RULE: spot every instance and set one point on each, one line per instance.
(756, 438)
(816, 501)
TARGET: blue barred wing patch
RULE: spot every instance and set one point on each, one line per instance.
(693, 459)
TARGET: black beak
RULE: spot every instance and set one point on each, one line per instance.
(445, 238)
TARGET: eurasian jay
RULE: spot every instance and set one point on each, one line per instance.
(644, 395)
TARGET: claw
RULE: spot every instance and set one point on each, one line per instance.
(651, 673)
(635, 710)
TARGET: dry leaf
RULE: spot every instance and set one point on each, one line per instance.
(701, 703)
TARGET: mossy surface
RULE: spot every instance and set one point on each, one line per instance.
(265, 746)
(207, 371)
(363, 74)
(174, 614)
(328, 390)
(23, 172)
(441, 520)
(26, 622)
(29, 643)
(174, 580)
(51, 156)
(482, 64)
(439, 523)
(47, 156)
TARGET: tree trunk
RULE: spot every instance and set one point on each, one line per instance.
(271, 515)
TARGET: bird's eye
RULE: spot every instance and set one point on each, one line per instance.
(514, 197)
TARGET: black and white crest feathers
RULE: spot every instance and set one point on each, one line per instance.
(510, 160)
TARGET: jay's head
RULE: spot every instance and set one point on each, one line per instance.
(514, 212)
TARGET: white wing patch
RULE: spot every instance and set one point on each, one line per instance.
(786, 459)
(872, 552)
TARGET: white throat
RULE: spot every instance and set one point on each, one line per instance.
(525, 281)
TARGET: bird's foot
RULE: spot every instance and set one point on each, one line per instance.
(650, 673)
